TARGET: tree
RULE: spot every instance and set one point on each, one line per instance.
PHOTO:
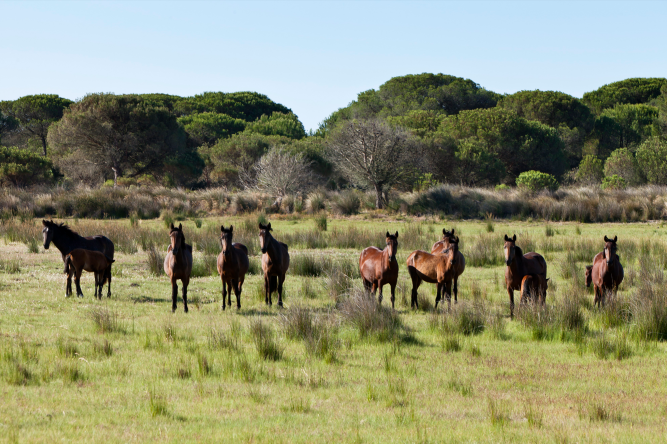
(634, 123)
(628, 91)
(7, 124)
(21, 167)
(34, 114)
(652, 159)
(623, 163)
(590, 171)
(372, 154)
(536, 180)
(123, 134)
(278, 173)
(209, 127)
(248, 106)
(278, 124)
(476, 165)
(520, 144)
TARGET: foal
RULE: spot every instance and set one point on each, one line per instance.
(93, 261)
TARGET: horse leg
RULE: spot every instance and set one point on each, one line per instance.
(510, 292)
(456, 290)
(77, 281)
(185, 281)
(237, 292)
(438, 294)
(174, 294)
(416, 282)
(448, 294)
(97, 284)
(109, 286)
(230, 286)
(267, 288)
(281, 279)
(367, 286)
(68, 287)
(393, 294)
(224, 294)
(238, 298)
(380, 285)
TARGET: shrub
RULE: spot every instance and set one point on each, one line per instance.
(652, 158)
(22, 167)
(316, 202)
(590, 170)
(536, 181)
(613, 183)
(346, 203)
(623, 163)
(503, 187)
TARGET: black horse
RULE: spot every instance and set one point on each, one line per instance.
(67, 240)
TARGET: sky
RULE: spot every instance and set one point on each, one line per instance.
(316, 56)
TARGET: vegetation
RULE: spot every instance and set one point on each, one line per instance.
(536, 181)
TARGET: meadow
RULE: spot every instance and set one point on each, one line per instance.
(332, 366)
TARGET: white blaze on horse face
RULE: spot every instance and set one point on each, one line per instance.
(46, 234)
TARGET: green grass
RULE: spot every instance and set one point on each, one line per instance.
(331, 365)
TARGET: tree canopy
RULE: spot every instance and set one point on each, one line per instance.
(21, 167)
(629, 91)
(34, 114)
(551, 108)
(248, 106)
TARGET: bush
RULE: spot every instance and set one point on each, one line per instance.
(503, 187)
(623, 163)
(613, 183)
(346, 203)
(652, 158)
(536, 181)
(22, 167)
(590, 170)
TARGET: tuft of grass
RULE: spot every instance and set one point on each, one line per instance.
(459, 387)
(106, 320)
(297, 406)
(534, 416)
(265, 342)
(157, 404)
(103, 348)
(346, 203)
(549, 231)
(33, 246)
(67, 348)
(154, 260)
(369, 318)
(599, 412)
(219, 340)
(451, 344)
(498, 413)
(10, 266)
(321, 222)
(70, 371)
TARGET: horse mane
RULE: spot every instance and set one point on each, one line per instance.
(518, 255)
(64, 229)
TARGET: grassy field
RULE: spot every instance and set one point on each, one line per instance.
(331, 367)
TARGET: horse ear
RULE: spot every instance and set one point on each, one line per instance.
(180, 226)
(386, 235)
(605, 238)
(615, 239)
(452, 231)
(268, 227)
(444, 231)
(507, 239)
(261, 227)
(589, 267)
(396, 235)
(231, 228)
(172, 225)
(514, 238)
(222, 228)
(44, 222)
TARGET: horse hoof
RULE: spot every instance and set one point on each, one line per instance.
(280, 304)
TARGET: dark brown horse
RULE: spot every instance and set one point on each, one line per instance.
(80, 260)
(178, 264)
(275, 262)
(437, 269)
(606, 273)
(459, 265)
(380, 267)
(233, 264)
(534, 289)
(67, 240)
(518, 266)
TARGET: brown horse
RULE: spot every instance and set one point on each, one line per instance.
(606, 273)
(275, 262)
(459, 265)
(93, 261)
(67, 240)
(232, 266)
(437, 269)
(534, 289)
(518, 266)
(178, 264)
(380, 267)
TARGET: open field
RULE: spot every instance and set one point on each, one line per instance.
(126, 369)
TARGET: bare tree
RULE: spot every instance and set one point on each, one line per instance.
(278, 173)
(372, 154)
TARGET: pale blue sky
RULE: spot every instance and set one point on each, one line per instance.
(314, 57)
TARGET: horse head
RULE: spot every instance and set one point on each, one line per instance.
(452, 250)
(447, 234)
(226, 239)
(177, 238)
(392, 245)
(589, 275)
(48, 232)
(264, 236)
(510, 249)
(610, 249)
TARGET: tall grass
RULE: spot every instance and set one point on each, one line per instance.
(265, 341)
(361, 310)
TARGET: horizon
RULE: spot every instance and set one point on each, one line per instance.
(314, 58)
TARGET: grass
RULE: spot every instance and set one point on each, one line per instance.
(275, 374)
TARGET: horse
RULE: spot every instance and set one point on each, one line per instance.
(275, 262)
(178, 264)
(233, 264)
(518, 266)
(67, 240)
(459, 265)
(606, 273)
(379, 267)
(437, 269)
(534, 289)
(79, 260)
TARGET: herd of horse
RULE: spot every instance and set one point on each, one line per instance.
(443, 266)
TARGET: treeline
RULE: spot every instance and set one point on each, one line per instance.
(413, 132)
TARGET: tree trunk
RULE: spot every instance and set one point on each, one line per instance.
(115, 176)
(378, 197)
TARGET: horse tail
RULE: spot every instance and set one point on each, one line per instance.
(273, 283)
